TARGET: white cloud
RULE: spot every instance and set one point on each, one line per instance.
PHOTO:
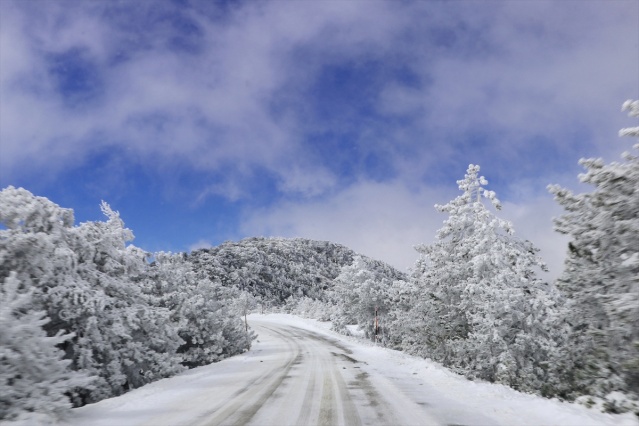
(207, 110)
(549, 70)
(516, 68)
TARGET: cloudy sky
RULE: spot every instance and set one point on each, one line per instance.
(335, 120)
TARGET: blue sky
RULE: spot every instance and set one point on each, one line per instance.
(335, 120)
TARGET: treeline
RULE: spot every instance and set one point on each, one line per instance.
(84, 316)
(475, 303)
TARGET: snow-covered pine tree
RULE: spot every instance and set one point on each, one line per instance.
(87, 281)
(203, 311)
(363, 295)
(480, 307)
(601, 276)
(34, 378)
(122, 337)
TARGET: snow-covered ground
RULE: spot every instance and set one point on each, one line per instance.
(300, 372)
(448, 392)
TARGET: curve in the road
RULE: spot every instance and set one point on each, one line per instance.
(313, 380)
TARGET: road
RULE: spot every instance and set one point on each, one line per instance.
(303, 378)
(291, 376)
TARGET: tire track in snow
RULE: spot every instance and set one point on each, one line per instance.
(308, 402)
(327, 404)
(349, 411)
(236, 411)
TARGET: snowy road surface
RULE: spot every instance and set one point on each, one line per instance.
(298, 374)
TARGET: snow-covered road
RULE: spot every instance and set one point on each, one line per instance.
(298, 374)
(308, 378)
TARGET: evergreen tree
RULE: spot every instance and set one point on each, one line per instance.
(362, 294)
(601, 276)
(33, 375)
(86, 279)
(479, 306)
(123, 338)
(206, 314)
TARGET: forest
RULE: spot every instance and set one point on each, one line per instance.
(86, 315)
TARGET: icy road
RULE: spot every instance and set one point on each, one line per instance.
(299, 374)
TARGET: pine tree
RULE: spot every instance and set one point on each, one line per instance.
(34, 378)
(363, 295)
(203, 311)
(123, 338)
(87, 280)
(480, 307)
(601, 276)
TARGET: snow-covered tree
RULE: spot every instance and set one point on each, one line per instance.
(362, 294)
(601, 276)
(130, 341)
(306, 307)
(207, 315)
(480, 307)
(86, 280)
(34, 378)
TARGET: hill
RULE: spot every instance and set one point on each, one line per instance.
(277, 268)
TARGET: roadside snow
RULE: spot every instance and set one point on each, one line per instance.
(446, 389)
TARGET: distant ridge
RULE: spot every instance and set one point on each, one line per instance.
(277, 268)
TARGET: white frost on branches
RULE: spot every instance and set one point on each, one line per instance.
(34, 377)
(88, 281)
(633, 108)
(479, 307)
(601, 276)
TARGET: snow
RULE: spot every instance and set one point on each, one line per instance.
(190, 397)
(449, 391)
(354, 330)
